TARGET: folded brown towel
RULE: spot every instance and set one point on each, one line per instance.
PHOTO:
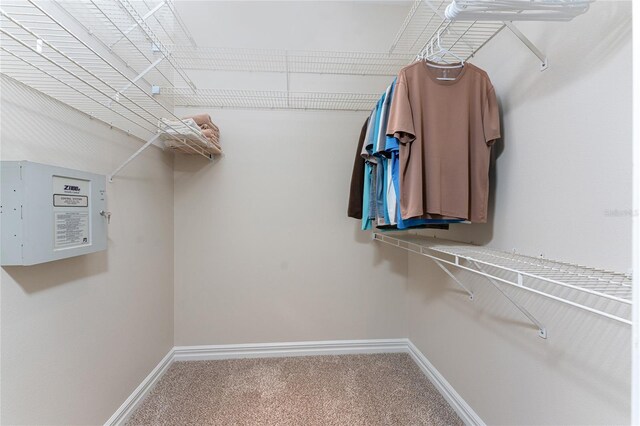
(210, 133)
(201, 119)
(209, 130)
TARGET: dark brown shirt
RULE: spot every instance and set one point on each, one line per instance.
(357, 178)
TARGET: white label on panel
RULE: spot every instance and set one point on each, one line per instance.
(72, 222)
(72, 229)
(60, 200)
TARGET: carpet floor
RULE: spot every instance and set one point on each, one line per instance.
(380, 389)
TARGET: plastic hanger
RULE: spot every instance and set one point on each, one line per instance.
(432, 55)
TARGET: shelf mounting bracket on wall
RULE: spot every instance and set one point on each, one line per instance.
(583, 287)
(453, 277)
(399, 243)
(135, 154)
(544, 62)
(138, 77)
(137, 24)
(542, 331)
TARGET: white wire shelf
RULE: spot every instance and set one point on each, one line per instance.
(600, 292)
(292, 61)
(426, 18)
(41, 49)
(517, 10)
(189, 146)
(140, 32)
(106, 57)
(250, 99)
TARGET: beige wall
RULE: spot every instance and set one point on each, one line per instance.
(264, 251)
(562, 181)
(257, 246)
(564, 163)
(78, 335)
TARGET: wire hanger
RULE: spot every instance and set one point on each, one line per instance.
(431, 56)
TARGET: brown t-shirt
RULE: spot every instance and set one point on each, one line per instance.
(445, 129)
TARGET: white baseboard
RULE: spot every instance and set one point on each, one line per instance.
(287, 349)
(130, 404)
(464, 410)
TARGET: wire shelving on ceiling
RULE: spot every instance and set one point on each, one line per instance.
(465, 35)
(426, 18)
(292, 61)
(248, 99)
(106, 58)
(58, 56)
(605, 293)
(422, 24)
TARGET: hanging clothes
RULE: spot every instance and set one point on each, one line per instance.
(368, 192)
(392, 146)
(383, 156)
(425, 149)
(354, 208)
(378, 153)
(445, 129)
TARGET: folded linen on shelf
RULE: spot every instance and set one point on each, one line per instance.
(180, 127)
(187, 137)
(209, 130)
(211, 134)
(201, 119)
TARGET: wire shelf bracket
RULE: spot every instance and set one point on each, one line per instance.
(155, 40)
(542, 331)
(463, 36)
(138, 77)
(544, 62)
(600, 292)
(135, 154)
(137, 24)
(453, 277)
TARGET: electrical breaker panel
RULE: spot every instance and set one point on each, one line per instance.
(49, 213)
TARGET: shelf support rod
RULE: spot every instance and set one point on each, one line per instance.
(94, 37)
(137, 24)
(133, 13)
(543, 58)
(453, 277)
(138, 77)
(130, 159)
(542, 331)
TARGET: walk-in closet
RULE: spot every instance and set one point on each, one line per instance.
(324, 212)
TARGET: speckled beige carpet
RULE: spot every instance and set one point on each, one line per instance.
(384, 389)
